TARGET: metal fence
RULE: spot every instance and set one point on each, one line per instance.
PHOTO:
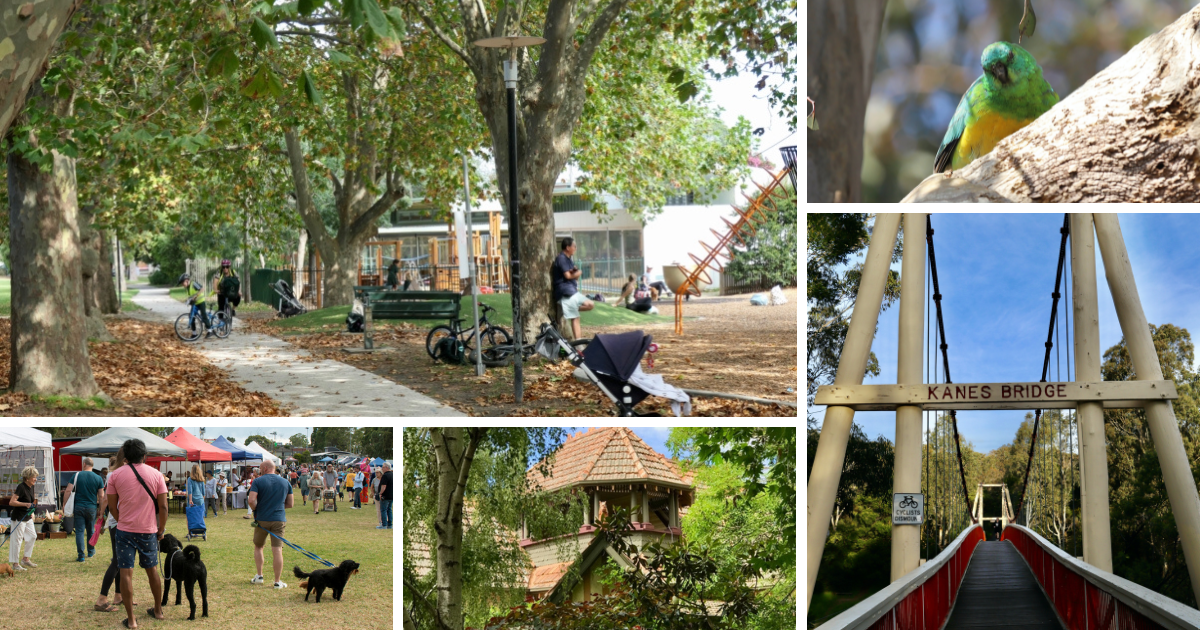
(608, 275)
(730, 286)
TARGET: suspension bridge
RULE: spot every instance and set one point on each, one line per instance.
(1018, 578)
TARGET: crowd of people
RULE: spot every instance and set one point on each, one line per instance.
(131, 500)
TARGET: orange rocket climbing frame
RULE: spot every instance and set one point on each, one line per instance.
(746, 225)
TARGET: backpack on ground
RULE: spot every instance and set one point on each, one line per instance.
(450, 350)
(355, 321)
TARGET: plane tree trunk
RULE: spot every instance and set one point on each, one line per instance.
(28, 38)
(91, 267)
(1129, 134)
(550, 99)
(49, 353)
(358, 209)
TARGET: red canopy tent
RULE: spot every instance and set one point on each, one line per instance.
(197, 450)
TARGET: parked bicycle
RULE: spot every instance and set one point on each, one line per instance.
(190, 326)
(489, 334)
(502, 354)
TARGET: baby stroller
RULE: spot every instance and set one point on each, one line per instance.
(288, 304)
(195, 519)
(611, 362)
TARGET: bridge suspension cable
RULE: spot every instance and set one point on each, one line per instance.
(943, 346)
(1050, 335)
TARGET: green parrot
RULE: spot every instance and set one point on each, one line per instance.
(1009, 94)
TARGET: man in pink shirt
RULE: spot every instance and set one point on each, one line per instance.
(137, 499)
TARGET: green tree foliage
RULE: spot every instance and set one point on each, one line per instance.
(765, 458)
(261, 440)
(771, 252)
(298, 440)
(373, 442)
(1146, 547)
(304, 457)
(667, 588)
(495, 499)
(326, 438)
(833, 241)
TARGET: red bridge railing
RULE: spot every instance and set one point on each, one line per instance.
(920, 600)
(1087, 598)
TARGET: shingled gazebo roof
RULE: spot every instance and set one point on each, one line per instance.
(608, 455)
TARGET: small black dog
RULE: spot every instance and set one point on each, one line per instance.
(322, 579)
(184, 566)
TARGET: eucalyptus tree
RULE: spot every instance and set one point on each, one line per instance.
(636, 144)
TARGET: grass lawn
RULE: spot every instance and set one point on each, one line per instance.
(62, 591)
(335, 316)
(6, 299)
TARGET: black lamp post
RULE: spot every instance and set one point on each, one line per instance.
(513, 42)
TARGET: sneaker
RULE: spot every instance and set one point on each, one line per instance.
(258, 579)
(380, 527)
(81, 559)
(29, 563)
(280, 585)
(91, 552)
(18, 567)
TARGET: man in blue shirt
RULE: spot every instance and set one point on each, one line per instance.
(88, 489)
(270, 495)
(564, 280)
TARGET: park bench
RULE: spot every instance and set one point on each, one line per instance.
(405, 305)
(360, 291)
(414, 304)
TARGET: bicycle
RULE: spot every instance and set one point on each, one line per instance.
(908, 502)
(502, 355)
(189, 327)
(489, 334)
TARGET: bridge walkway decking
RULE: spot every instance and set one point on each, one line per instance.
(999, 591)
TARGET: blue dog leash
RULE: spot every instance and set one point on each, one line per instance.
(302, 550)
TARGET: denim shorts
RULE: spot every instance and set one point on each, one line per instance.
(129, 544)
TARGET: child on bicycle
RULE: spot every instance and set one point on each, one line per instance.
(195, 295)
(229, 288)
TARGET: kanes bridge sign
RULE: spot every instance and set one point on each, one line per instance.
(1111, 394)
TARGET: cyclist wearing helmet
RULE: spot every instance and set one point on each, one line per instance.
(229, 287)
(195, 295)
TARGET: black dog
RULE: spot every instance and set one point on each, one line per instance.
(184, 566)
(322, 579)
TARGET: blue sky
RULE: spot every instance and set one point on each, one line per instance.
(655, 437)
(996, 273)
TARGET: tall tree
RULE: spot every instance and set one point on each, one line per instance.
(374, 441)
(49, 353)
(298, 440)
(326, 438)
(553, 96)
(447, 470)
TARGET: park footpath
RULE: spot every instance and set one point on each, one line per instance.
(290, 375)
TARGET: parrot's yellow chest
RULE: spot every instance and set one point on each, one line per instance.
(981, 136)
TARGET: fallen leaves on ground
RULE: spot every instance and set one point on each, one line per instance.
(149, 372)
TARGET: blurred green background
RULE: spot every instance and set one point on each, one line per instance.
(929, 52)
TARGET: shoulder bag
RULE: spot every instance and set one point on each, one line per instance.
(69, 508)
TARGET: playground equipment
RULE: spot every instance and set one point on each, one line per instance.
(747, 224)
